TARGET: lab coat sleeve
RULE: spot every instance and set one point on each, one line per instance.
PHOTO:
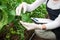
(34, 5)
(54, 24)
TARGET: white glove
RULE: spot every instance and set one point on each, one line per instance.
(20, 7)
(30, 26)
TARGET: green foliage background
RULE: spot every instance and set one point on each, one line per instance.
(9, 22)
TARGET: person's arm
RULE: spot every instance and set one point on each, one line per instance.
(28, 7)
(34, 5)
(52, 25)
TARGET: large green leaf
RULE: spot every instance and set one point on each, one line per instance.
(11, 16)
(4, 17)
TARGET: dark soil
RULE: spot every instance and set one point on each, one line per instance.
(28, 34)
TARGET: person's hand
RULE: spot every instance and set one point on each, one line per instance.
(30, 26)
(20, 7)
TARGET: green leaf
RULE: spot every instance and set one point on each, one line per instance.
(4, 17)
(11, 16)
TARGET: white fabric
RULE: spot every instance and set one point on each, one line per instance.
(28, 7)
(53, 5)
(45, 34)
(41, 20)
(54, 24)
(35, 4)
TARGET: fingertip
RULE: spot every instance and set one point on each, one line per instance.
(17, 11)
(20, 21)
(24, 12)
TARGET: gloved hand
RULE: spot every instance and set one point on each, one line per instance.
(23, 6)
(31, 26)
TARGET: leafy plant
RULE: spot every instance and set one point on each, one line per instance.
(9, 22)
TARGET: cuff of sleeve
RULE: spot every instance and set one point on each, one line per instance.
(52, 25)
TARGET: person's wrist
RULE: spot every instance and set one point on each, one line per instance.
(43, 27)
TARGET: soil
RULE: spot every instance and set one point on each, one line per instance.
(28, 34)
